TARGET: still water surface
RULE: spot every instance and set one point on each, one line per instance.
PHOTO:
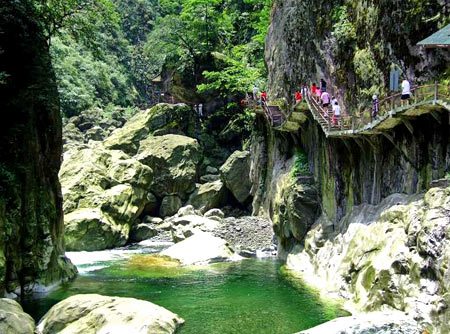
(251, 296)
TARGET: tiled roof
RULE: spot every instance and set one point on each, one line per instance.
(440, 39)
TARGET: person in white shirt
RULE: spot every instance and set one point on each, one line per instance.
(336, 113)
(406, 90)
(325, 97)
(255, 93)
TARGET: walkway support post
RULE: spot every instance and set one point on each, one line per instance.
(435, 91)
(329, 121)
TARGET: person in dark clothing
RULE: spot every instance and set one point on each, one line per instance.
(323, 85)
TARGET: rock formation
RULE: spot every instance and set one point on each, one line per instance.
(31, 234)
(13, 320)
(346, 200)
(92, 314)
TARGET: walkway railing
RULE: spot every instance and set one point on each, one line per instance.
(362, 120)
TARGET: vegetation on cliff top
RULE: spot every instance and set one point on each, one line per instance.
(109, 52)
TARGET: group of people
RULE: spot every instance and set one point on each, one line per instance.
(321, 95)
(326, 100)
(199, 109)
(259, 98)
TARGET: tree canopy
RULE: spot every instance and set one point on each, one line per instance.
(108, 52)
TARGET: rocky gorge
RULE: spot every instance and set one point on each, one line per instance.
(362, 218)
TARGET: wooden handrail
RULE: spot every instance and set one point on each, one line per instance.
(387, 106)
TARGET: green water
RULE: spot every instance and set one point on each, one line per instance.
(252, 296)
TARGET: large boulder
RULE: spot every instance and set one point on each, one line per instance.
(89, 229)
(296, 203)
(185, 226)
(91, 314)
(201, 248)
(175, 158)
(170, 205)
(171, 118)
(13, 320)
(103, 187)
(235, 173)
(208, 196)
(151, 228)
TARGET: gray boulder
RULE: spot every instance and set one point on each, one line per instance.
(13, 320)
(175, 158)
(89, 230)
(201, 248)
(380, 323)
(209, 195)
(92, 314)
(142, 232)
(106, 186)
(209, 178)
(170, 205)
(235, 173)
(214, 213)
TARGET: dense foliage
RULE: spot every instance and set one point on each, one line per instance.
(109, 52)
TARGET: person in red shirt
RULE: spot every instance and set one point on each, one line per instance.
(298, 97)
(313, 89)
(264, 96)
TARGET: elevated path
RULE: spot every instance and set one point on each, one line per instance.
(425, 99)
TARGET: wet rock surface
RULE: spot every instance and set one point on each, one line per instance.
(392, 255)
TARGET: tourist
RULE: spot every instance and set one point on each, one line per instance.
(313, 89)
(325, 97)
(375, 106)
(406, 90)
(304, 90)
(318, 94)
(333, 100)
(264, 96)
(323, 85)
(336, 113)
(298, 97)
(255, 93)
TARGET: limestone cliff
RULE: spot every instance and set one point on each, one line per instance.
(352, 44)
(31, 226)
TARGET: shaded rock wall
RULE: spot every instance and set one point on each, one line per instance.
(352, 171)
(31, 226)
(352, 45)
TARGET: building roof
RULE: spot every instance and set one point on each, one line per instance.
(440, 39)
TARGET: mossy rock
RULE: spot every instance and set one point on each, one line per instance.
(235, 173)
(90, 230)
(175, 158)
(163, 117)
(13, 320)
(209, 195)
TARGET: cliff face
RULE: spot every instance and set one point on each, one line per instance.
(352, 171)
(352, 45)
(31, 226)
(351, 182)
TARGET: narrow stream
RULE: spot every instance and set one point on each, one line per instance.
(251, 296)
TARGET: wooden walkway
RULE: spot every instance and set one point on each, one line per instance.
(361, 122)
